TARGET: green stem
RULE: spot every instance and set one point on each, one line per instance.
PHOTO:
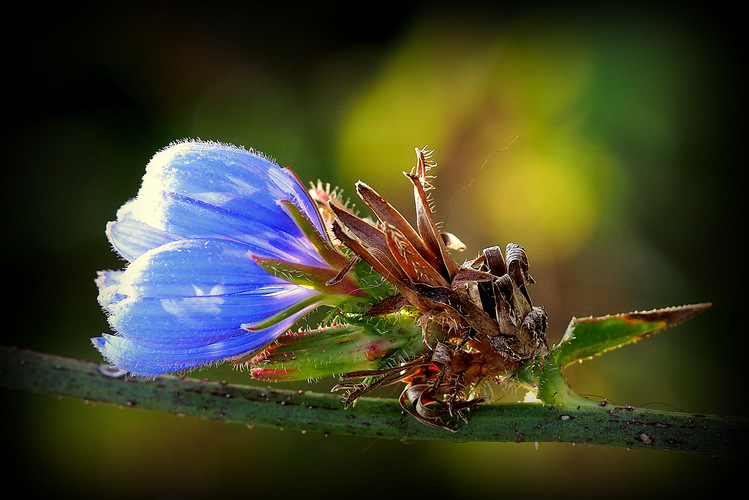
(372, 417)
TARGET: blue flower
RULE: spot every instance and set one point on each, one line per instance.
(199, 237)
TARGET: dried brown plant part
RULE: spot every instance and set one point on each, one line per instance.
(377, 378)
(481, 310)
(430, 405)
(381, 263)
(425, 224)
(528, 341)
(388, 305)
(462, 305)
(416, 402)
(391, 217)
(466, 275)
(371, 240)
(416, 268)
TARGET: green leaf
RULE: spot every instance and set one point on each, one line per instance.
(589, 337)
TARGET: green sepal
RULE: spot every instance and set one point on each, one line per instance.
(335, 350)
(330, 255)
(322, 279)
(372, 282)
(307, 304)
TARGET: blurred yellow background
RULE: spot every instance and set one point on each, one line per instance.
(603, 140)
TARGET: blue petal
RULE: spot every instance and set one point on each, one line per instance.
(197, 190)
(151, 361)
(268, 233)
(108, 283)
(192, 292)
(131, 237)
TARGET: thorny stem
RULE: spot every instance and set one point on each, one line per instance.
(597, 424)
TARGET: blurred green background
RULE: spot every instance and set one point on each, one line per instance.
(605, 140)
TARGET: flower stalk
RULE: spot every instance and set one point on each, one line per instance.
(380, 418)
